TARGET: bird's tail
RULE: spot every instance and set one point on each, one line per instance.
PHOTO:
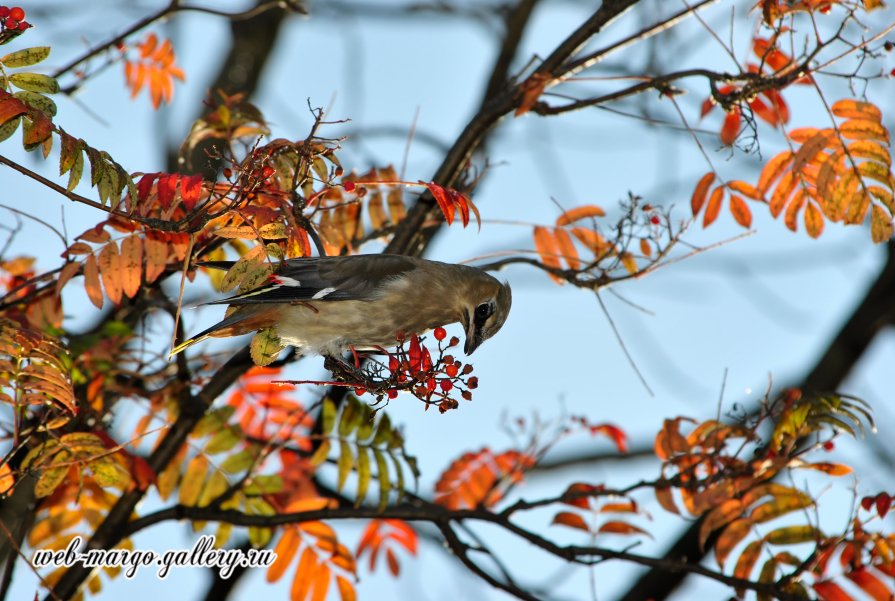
(188, 343)
(241, 321)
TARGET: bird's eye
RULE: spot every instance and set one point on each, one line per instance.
(483, 311)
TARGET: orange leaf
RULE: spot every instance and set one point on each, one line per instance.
(579, 213)
(623, 528)
(814, 220)
(863, 129)
(792, 211)
(829, 591)
(570, 519)
(714, 206)
(548, 249)
(285, 551)
(393, 566)
(531, 89)
(131, 264)
(567, 248)
(730, 538)
(304, 575)
(701, 192)
(110, 269)
(666, 499)
(156, 258)
(731, 127)
(782, 193)
(7, 479)
(773, 170)
(645, 248)
(718, 517)
(855, 109)
(740, 211)
(346, 589)
(91, 281)
(881, 227)
(832, 469)
(321, 583)
(870, 584)
(747, 560)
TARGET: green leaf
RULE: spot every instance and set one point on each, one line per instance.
(108, 472)
(399, 477)
(259, 537)
(25, 57)
(213, 421)
(77, 169)
(51, 478)
(34, 82)
(216, 486)
(321, 453)
(223, 440)
(38, 101)
(9, 128)
(383, 430)
(351, 416)
(385, 485)
(265, 347)
(328, 417)
(264, 484)
(365, 429)
(238, 462)
(793, 535)
(346, 462)
(364, 473)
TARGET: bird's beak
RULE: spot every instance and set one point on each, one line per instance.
(473, 338)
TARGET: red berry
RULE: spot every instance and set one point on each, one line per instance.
(454, 341)
(654, 219)
(23, 26)
(452, 371)
(349, 186)
(392, 394)
(467, 369)
(4, 12)
(446, 385)
(228, 173)
(360, 391)
(11, 23)
(17, 13)
(473, 383)
(440, 333)
(447, 359)
(829, 446)
(267, 172)
(466, 395)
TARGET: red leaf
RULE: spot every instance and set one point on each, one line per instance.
(167, 188)
(190, 189)
(144, 186)
(829, 591)
(441, 197)
(617, 435)
(731, 127)
(10, 106)
(570, 519)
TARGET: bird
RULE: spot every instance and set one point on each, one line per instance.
(327, 305)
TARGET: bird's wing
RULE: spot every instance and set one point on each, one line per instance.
(322, 279)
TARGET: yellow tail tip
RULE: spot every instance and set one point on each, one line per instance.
(181, 347)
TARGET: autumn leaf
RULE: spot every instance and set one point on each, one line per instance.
(154, 68)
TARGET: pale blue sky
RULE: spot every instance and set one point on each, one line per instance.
(761, 307)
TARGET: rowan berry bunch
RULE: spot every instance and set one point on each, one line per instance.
(13, 19)
(412, 368)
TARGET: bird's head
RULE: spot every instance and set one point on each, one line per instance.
(486, 308)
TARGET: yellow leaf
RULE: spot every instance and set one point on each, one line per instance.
(856, 109)
(193, 479)
(814, 220)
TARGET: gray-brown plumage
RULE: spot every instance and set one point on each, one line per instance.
(326, 305)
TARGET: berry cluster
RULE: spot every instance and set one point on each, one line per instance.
(13, 19)
(411, 368)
